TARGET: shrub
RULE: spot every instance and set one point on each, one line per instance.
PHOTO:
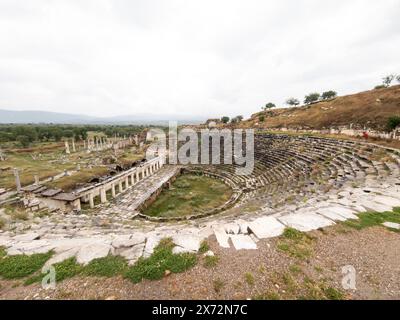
(261, 118)
(393, 123)
(293, 102)
(19, 266)
(269, 105)
(161, 260)
(312, 97)
(225, 119)
(329, 95)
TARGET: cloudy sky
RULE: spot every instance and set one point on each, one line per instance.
(210, 58)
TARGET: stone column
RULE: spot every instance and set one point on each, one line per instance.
(143, 173)
(120, 186)
(17, 180)
(137, 176)
(103, 195)
(113, 190)
(126, 182)
(84, 144)
(67, 151)
(91, 200)
(132, 179)
(73, 145)
(36, 177)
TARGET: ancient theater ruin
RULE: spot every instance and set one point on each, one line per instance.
(299, 181)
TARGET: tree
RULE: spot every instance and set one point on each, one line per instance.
(398, 78)
(225, 119)
(293, 102)
(393, 123)
(269, 105)
(329, 95)
(24, 140)
(236, 119)
(388, 80)
(312, 97)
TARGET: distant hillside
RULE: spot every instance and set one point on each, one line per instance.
(19, 117)
(369, 108)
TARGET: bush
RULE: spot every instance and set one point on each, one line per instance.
(293, 102)
(380, 86)
(261, 118)
(162, 259)
(225, 119)
(393, 123)
(19, 266)
(269, 105)
(329, 95)
(312, 97)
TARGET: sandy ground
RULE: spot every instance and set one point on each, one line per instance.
(271, 273)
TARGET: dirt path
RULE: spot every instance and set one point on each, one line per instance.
(267, 273)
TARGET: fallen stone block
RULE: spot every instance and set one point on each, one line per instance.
(392, 225)
(241, 241)
(266, 227)
(190, 242)
(222, 237)
(305, 221)
(93, 251)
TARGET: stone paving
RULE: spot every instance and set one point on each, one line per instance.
(355, 185)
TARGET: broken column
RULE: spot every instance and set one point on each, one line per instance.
(17, 180)
(36, 177)
(73, 145)
(67, 151)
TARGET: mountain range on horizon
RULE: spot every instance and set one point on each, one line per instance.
(48, 117)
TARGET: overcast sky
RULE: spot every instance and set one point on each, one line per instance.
(210, 58)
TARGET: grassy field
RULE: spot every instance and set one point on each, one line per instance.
(49, 159)
(190, 194)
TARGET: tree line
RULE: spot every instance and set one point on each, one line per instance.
(26, 134)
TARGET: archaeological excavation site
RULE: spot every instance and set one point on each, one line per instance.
(115, 201)
(199, 157)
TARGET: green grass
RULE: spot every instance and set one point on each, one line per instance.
(293, 234)
(370, 219)
(20, 266)
(211, 261)
(248, 276)
(162, 259)
(267, 296)
(189, 194)
(295, 243)
(218, 285)
(204, 247)
(106, 267)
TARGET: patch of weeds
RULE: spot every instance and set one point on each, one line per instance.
(333, 294)
(267, 296)
(64, 270)
(20, 266)
(218, 284)
(293, 234)
(162, 259)
(318, 269)
(3, 252)
(369, 219)
(295, 269)
(249, 278)
(261, 269)
(211, 261)
(290, 283)
(204, 246)
(106, 267)
(2, 223)
(295, 243)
